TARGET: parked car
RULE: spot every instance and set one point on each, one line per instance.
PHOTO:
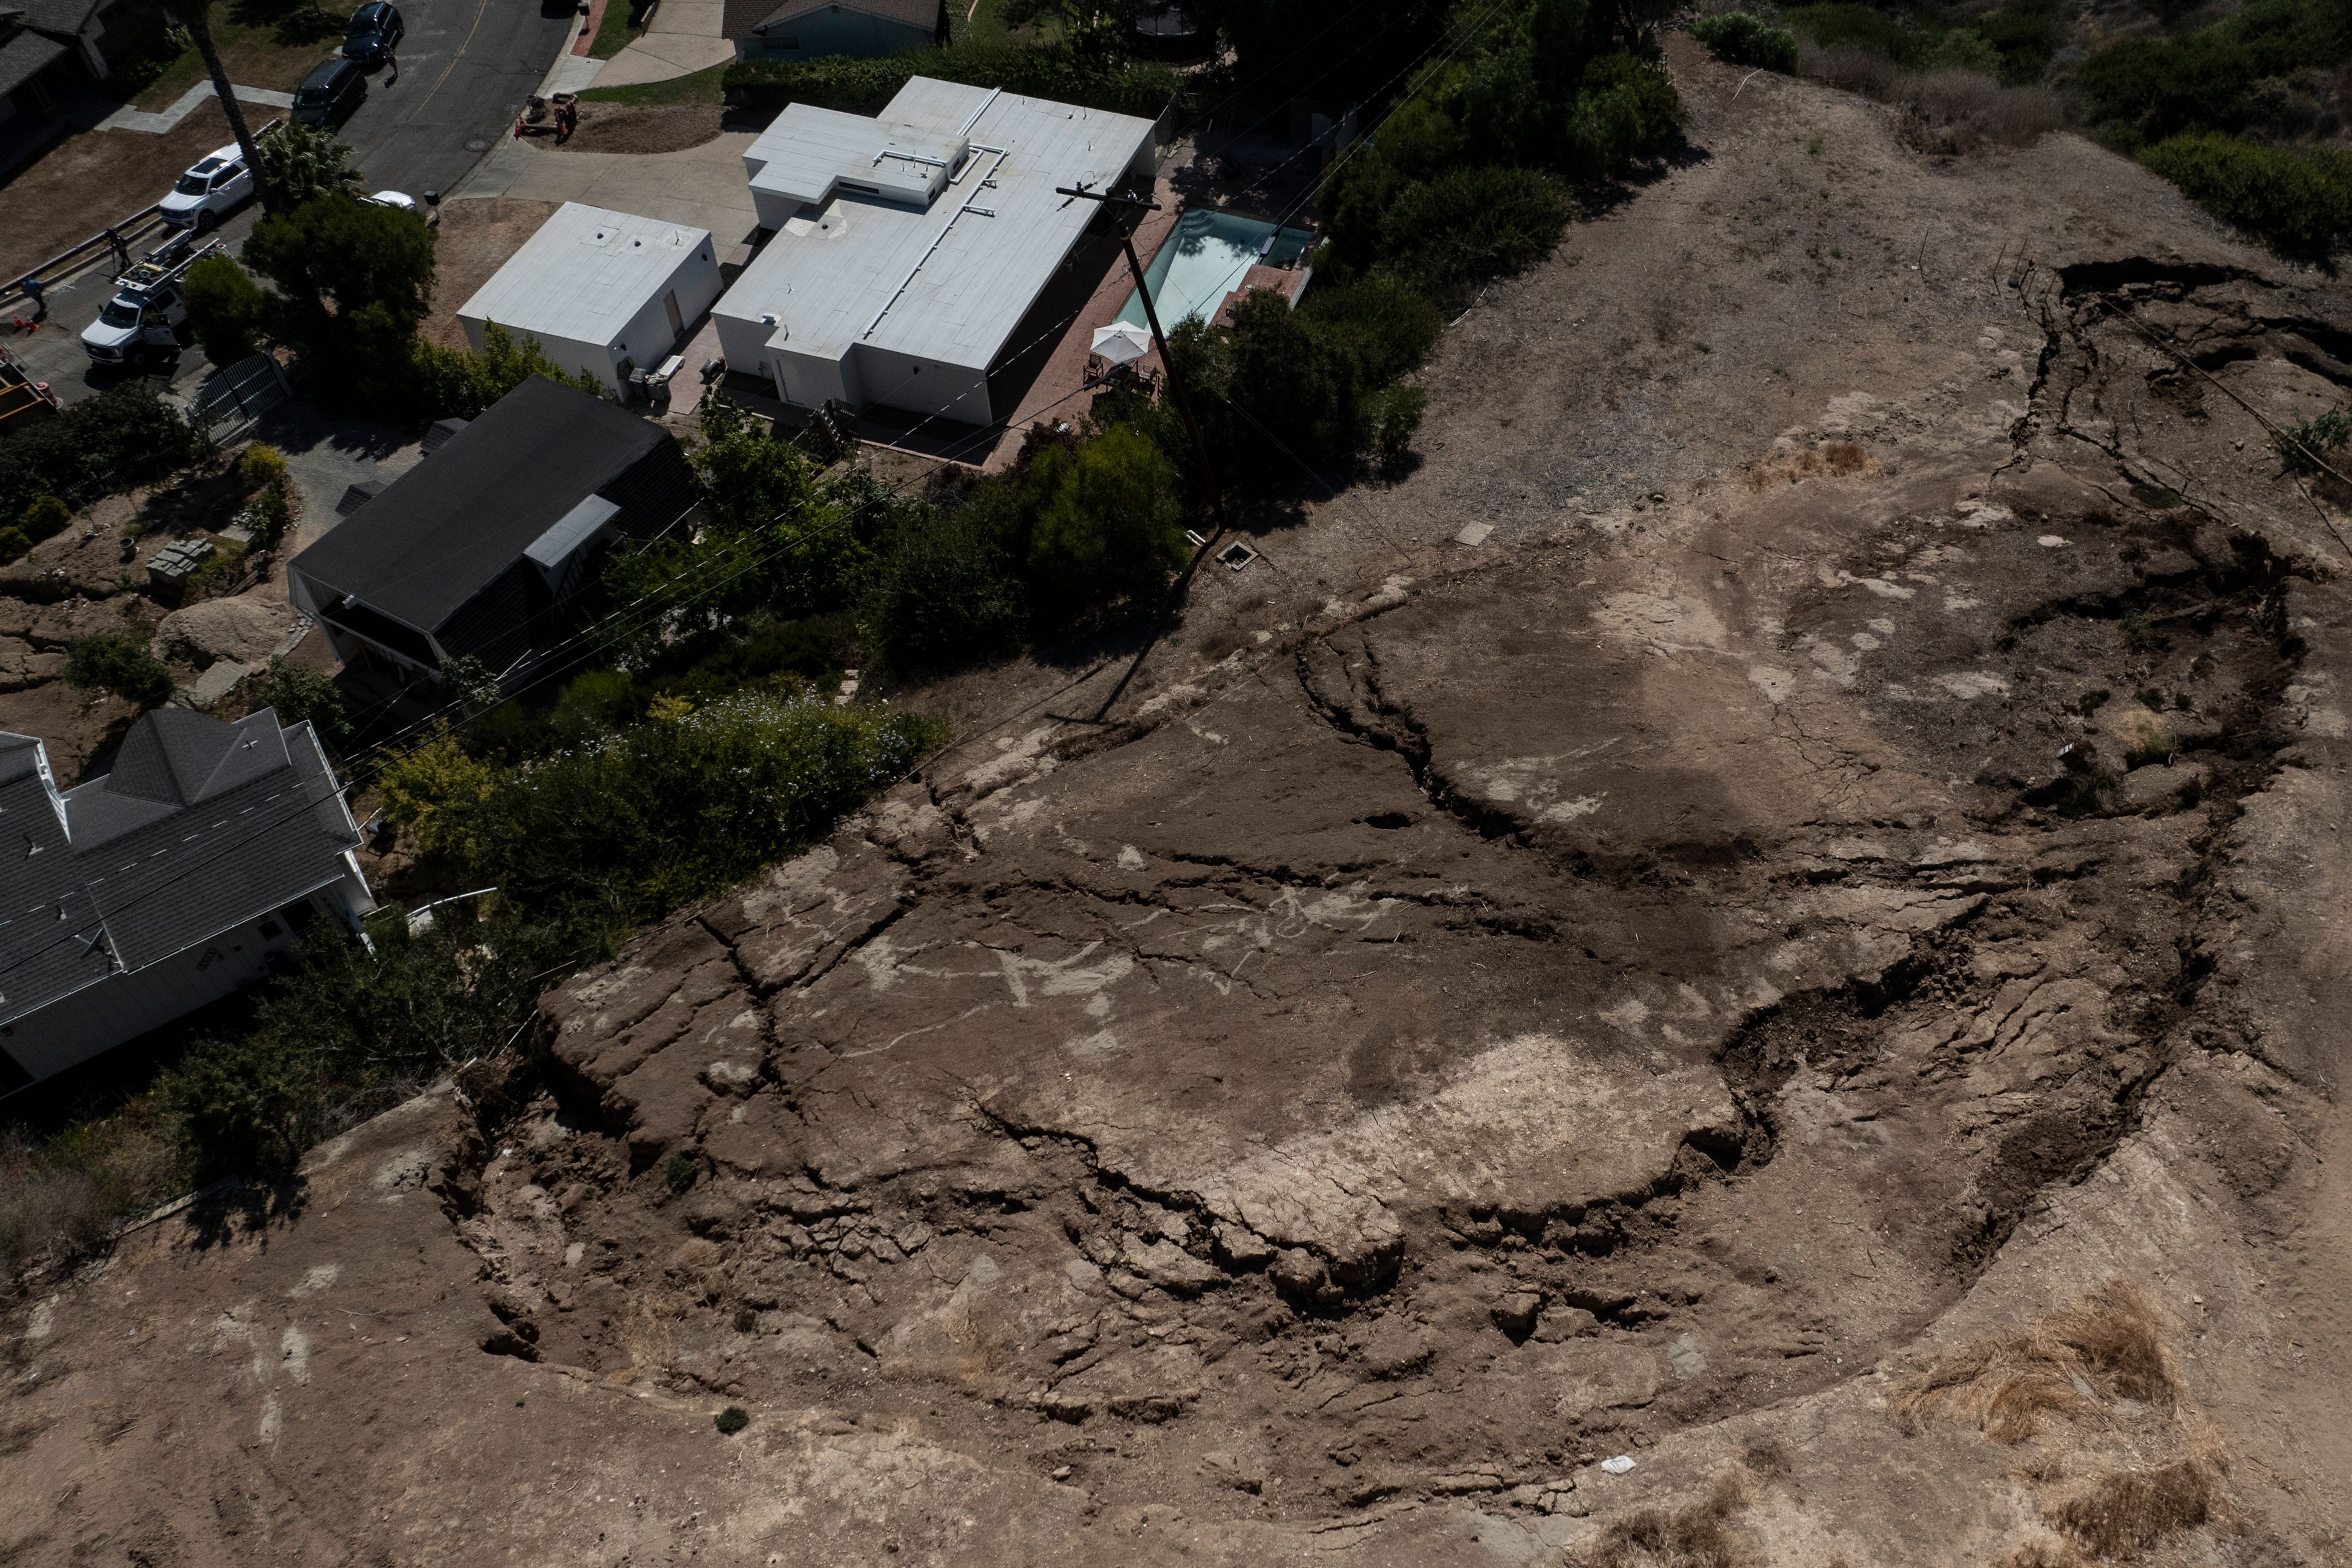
(375, 31)
(329, 94)
(213, 187)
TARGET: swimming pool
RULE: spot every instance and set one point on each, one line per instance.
(1205, 259)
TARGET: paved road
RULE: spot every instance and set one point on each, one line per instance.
(464, 70)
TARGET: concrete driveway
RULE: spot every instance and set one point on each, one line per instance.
(464, 70)
(704, 186)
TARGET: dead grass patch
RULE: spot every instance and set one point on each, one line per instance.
(1837, 460)
(2107, 1346)
(2124, 1512)
(1696, 1535)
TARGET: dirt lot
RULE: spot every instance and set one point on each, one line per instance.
(639, 128)
(50, 201)
(473, 240)
(1772, 1011)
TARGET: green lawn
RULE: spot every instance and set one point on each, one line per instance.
(701, 86)
(617, 31)
(263, 43)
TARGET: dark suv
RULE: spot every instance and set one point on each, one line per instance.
(374, 32)
(329, 94)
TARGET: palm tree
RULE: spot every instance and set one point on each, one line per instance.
(193, 15)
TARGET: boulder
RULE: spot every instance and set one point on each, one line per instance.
(243, 630)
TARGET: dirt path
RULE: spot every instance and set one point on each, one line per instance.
(1839, 885)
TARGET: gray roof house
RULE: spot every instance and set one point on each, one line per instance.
(43, 41)
(185, 872)
(808, 29)
(478, 550)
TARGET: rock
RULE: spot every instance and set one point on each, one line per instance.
(1565, 1324)
(1514, 1314)
(2163, 788)
(213, 686)
(21, 666)
(1169, 1267)
(245, 629)
(1300, 1273)
(1238, 1246)
(1393, 1347)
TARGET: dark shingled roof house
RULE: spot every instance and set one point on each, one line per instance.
(182, 875)
(478, 550)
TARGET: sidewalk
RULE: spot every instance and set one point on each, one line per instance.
(158, 122)
(681, 38)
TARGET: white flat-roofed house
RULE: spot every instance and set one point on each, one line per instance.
(908, 247)
(603, 292)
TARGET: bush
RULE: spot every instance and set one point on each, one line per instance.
(227, 309)
(1104, 522)
(454, 384)
(681, 1172)
(117, 663)
(299, 694)
(2140, 90)
(112, 440)
(1960, 111)
(1469, 224)
(261, 464)
(45, 518)
(246, 1105)
(64, 1195)
(12, 544)
(1056, 71)
(2299, 202)
(1400, 411)
(2304, 448)
(431, 791)
(664, 812)
(1744, 40)
(945, 594)
(731, 1420)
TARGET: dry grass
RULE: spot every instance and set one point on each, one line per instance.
(1837, 460)
(1943, 112)
(2124, 1512)
(1697, 1535)
(61, 1197)
(2075, 1360)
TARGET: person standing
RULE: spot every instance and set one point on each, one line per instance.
(392, 68)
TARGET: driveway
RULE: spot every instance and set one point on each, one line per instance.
(464, 70)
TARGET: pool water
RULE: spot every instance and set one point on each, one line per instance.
(1206, 258)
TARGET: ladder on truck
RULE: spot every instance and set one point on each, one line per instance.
(167, 263)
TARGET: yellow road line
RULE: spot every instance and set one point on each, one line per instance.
(479, 11)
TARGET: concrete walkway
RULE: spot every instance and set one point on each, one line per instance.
(160, 121)
(683, 36)
(702, 185)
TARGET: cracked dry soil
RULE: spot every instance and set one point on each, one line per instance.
(1651, 985)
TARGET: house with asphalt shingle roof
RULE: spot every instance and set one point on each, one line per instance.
(183, 874)
(809, 30)
(479, 551)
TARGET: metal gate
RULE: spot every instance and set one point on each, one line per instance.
(232, 398)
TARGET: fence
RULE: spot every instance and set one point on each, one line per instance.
(231, 399)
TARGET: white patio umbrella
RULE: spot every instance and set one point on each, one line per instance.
(1121, 343)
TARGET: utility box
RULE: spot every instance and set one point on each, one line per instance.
(605, 292)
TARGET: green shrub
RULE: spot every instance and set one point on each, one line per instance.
(451, 383)
(946, 593)
(45, 518)
(1848, 26)
(118, 663)
(1746, 40)
(261, 464)
(2299, 202)
(115, 438)
(2144, 90)
(665, 811)
(1963, 50)
(246, 1105)
(1104, 522)
(731, 1420)
(12, 544)
(1470, 224)
(227, 309)
(1399, 420)
(681, 1172)
(1056, 71)
(299, 694)
(2304, 448)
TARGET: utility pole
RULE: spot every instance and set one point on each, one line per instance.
(1168, 361)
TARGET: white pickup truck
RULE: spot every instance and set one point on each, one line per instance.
(148, 316)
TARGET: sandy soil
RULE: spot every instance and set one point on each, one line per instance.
(472, 241)
(93, 178)
(1773, 1011)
